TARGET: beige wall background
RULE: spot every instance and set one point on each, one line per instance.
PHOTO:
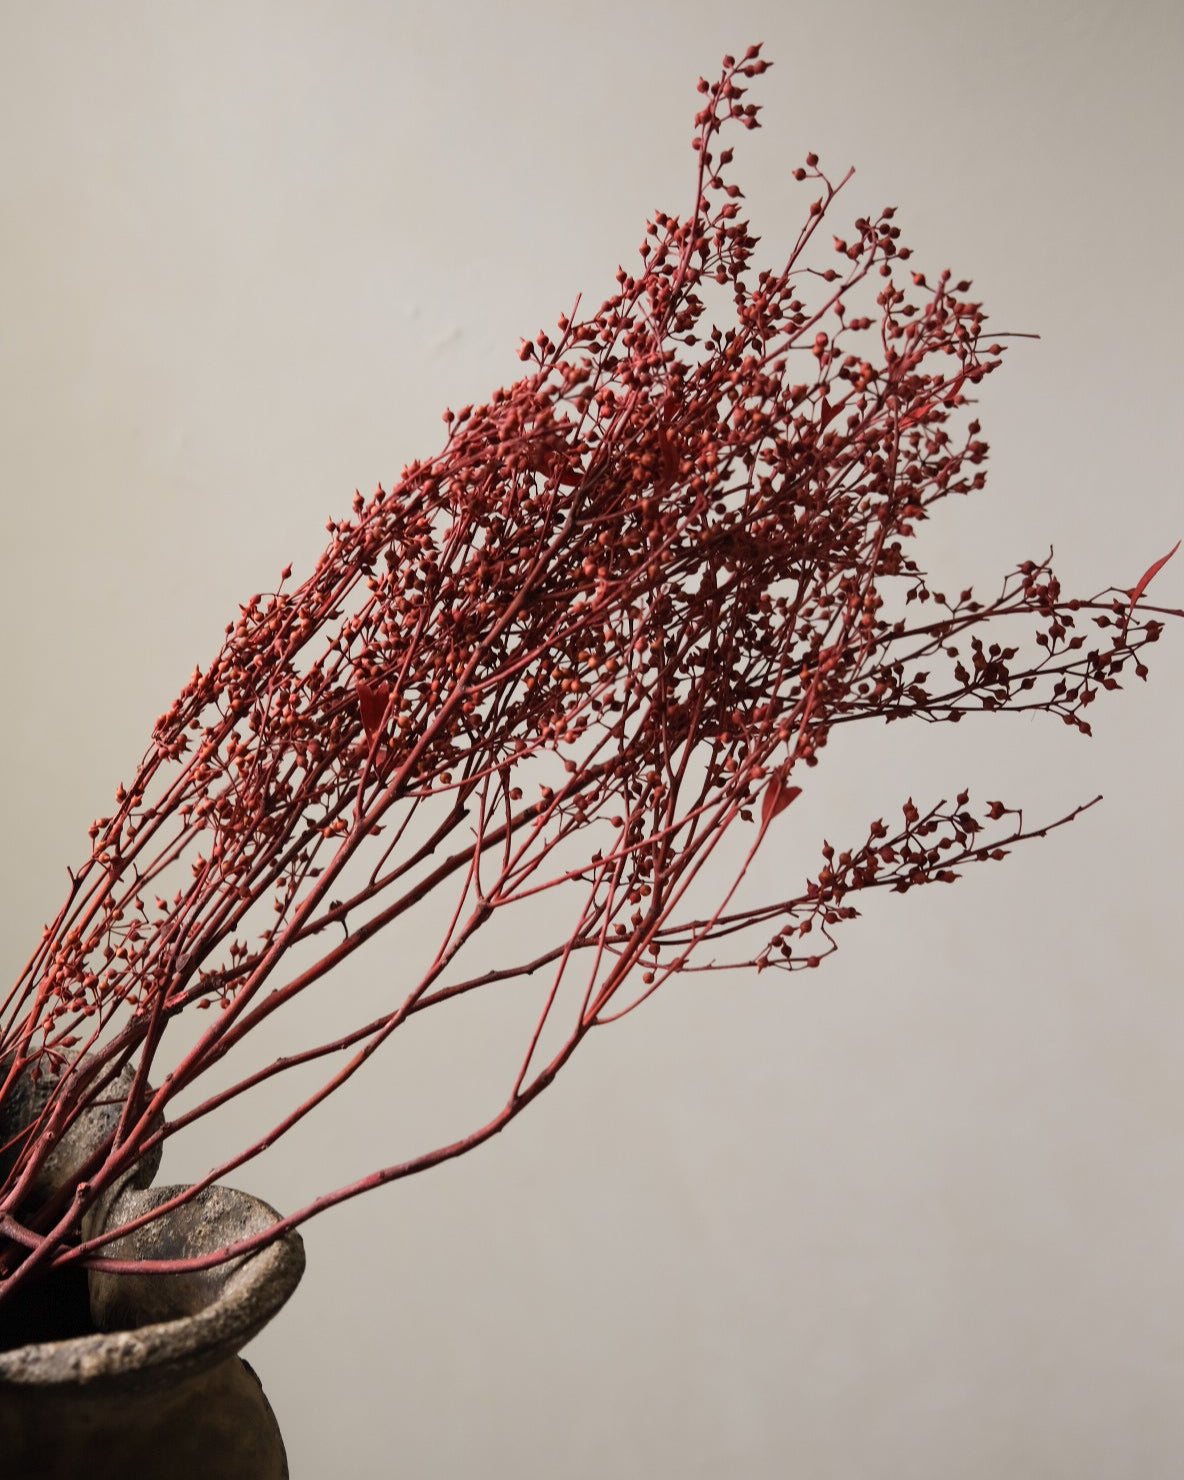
(918, 1214)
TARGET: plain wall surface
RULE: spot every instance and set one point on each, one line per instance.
(918, 1214)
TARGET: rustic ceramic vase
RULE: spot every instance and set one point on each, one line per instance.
(137, 1376)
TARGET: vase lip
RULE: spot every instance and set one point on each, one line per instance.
(220, 1309)
(89, 1130)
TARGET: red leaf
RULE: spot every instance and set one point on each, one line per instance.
(1148, 576)
(777, 797)
(372, 700)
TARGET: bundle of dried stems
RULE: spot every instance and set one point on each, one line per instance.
(612, 622)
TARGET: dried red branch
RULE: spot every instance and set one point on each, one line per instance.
(616, 618)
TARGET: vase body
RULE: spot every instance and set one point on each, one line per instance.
(216, 1425)
(138, 1376)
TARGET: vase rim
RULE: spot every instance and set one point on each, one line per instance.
(234, 1302)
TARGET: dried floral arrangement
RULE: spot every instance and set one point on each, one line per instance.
(612, 623)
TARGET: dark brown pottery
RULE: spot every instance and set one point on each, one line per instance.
(145, 1383)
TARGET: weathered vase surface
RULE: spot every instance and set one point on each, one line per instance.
(147, 1383)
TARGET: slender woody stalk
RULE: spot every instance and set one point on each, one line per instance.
(615, 619)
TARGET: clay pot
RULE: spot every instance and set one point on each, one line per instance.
(143, 1379)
